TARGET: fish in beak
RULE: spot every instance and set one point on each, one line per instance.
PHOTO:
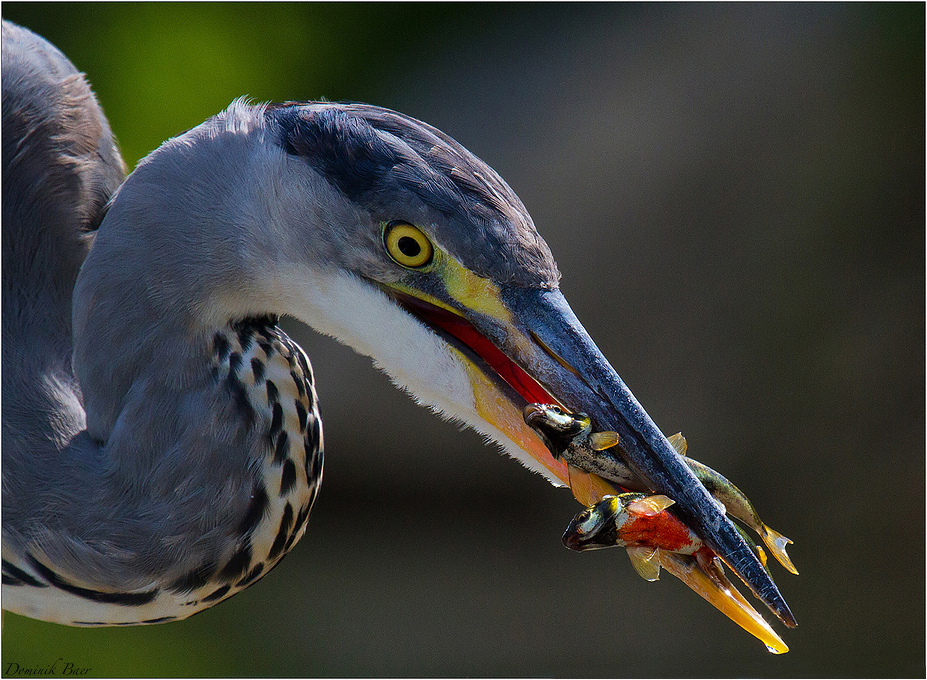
(655, 539)
(524, 345)
(570, 438)
(583, 380)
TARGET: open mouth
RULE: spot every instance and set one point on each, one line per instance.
(551, 343)
(460, 333)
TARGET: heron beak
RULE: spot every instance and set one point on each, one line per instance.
(530, 340)
(550, 343)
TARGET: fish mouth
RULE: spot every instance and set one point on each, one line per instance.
(529, 344)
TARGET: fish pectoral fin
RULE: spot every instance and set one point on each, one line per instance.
(650, 506)
(678, 442)
(645, 561)
(599, 441)
(776, 543)
(588, 488)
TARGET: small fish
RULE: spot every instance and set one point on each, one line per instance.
(736, 504)
(636, 521)
(569, 437)
(656, 539)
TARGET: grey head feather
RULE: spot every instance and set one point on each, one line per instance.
(380, 159)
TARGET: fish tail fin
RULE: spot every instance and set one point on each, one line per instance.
(776, 543)
(588, 488)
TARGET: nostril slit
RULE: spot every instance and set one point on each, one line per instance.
(552, 354)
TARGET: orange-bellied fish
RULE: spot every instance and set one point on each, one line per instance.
(639, 522)
(656, 539)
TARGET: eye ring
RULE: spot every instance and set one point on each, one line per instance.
(407, 245)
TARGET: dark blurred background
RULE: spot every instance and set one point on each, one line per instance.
(735, 195)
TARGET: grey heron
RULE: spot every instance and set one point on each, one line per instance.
(162, 441)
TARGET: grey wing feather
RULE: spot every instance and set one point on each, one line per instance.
(60, 167)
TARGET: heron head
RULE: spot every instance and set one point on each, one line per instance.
(458, 300)
(387, 234)
(453, 291)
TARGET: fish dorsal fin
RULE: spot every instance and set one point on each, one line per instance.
(646, 561)
(650, 506)
(678, 442)
(599, 441)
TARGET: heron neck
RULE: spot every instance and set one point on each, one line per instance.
(182, 251)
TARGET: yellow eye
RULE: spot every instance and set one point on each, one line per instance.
(407, 245)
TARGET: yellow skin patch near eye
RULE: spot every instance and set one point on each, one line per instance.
(473, 292)
(479, 294)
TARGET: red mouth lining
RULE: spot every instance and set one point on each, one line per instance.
(461, 329)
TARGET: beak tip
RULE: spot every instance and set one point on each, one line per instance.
(713, 586)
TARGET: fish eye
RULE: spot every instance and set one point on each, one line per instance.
(556, 410)
(407, 245)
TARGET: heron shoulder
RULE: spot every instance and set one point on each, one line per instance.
(60, 160)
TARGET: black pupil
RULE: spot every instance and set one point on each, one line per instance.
(408, 246)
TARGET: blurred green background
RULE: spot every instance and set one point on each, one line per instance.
(735, 195)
